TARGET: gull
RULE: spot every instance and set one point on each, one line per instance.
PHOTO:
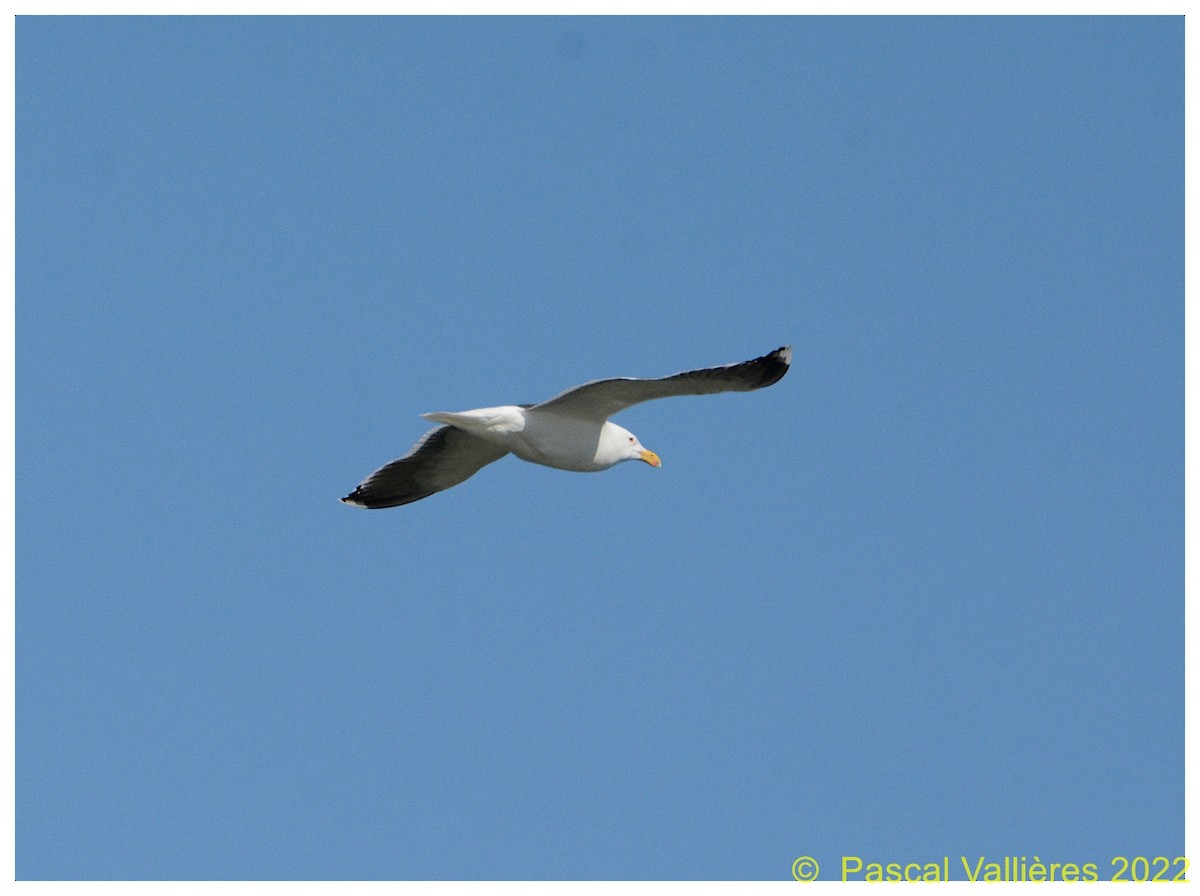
(571, 431)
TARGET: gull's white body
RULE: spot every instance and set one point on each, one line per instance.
(549, 439)
(571, 431)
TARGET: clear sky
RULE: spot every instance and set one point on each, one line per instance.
(923, 597)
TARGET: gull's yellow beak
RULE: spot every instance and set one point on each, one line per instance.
(651, 458)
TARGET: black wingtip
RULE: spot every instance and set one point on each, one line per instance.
(375, 499)
(773, 366)
(360, 497)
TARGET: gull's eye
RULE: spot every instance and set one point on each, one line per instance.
(631, 440)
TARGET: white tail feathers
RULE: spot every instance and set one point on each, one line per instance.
(484, 421)
(462, 421)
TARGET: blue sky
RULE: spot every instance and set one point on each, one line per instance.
(923, 597)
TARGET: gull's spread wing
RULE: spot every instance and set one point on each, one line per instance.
(600, 399)
(443, 457)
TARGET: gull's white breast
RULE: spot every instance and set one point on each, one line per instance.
(566, 443)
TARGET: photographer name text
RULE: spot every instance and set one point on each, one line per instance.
(1021, 869)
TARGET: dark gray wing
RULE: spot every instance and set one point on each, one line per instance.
(443, 457)
(600, 399)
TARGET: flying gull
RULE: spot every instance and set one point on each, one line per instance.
(571, 431)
